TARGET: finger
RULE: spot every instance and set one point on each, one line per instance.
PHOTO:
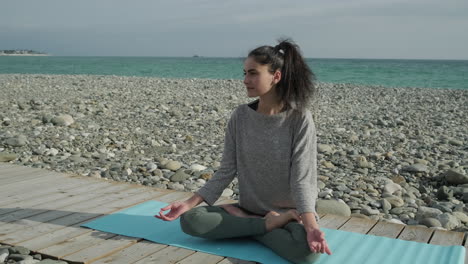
(319, 248)
(165, 209)
(322, 249)
(327, 250)
(322, 235)
(313, 247)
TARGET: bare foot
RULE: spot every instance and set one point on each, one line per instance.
(275, 220)
(236, 211)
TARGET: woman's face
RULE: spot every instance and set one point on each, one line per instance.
(257, 79)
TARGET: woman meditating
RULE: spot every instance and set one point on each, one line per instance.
(270, 145)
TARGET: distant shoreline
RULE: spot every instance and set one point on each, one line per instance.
(24, 55)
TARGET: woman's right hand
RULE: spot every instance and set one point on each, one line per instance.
(176, 209)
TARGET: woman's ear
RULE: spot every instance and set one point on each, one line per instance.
(276, 77)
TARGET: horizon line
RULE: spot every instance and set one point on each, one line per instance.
(235, 57)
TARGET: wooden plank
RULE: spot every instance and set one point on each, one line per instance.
(60, 234)
(167, 255)
(386, 229)
(235, 261)
(358, 225)
(22, 178)
(133, 253)
(446, 238)
(57, 200)
(416, 234)
(201, 258)
(72, 218)
(30, 192)
(6, 165)
(36, 184)
(76, 244)
(101, 249)
(46, 178)
(24, 173)
(174, 196)
(333, 221)
(24, 219)
(7, 171)
(36, 242)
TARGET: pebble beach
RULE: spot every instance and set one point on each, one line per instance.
(392, 154)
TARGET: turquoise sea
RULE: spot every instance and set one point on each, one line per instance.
(391, 73)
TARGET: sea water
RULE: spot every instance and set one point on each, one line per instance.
(385, 72)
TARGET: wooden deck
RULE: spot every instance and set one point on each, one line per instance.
(43, 210)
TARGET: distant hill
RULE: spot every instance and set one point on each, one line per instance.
(21, 52)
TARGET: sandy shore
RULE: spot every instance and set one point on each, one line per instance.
(385, 153)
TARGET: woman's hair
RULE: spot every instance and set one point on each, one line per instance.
(296, 87)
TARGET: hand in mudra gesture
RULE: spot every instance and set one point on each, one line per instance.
(176, 209)
(317, 242)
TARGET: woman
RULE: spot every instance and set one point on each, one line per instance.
(270, 145)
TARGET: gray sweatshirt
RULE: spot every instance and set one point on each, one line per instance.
(274, 158)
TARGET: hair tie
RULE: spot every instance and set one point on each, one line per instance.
(278, 49)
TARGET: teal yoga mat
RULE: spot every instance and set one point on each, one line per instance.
(348, 247)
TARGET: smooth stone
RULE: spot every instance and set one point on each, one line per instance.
(363, 163)
(386, 205)
(461, 216)
(20, 250)
(397, 210)
(227, 193)
(399, 179)
(180, 176)
(334, 207)
(63, 120)
(392, 188)
(369, 211)
(395, 201)
(465, 197)
(176, 186)
(324, 194)
(95, 174)
(172, 165)
(395, 221)
(430, 222)
(323, 148)
(4, 253)
(197, 167)
(328, 165)
(444, 193)
(76, 159)
(206, 176)
(455, 177)
(151, 166)
(51, 261)
(427, 212)
(17, 141)
(6, 157)
(29, 261)
(455, 142)
(418, 167)
(449, 221)
(19, 257)
(321, 185)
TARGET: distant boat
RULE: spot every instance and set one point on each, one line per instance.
(196, 56)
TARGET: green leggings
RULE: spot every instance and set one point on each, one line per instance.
(213, 222)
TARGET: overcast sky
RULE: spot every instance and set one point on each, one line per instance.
(412, 29)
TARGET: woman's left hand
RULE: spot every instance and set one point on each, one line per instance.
(317, 242)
